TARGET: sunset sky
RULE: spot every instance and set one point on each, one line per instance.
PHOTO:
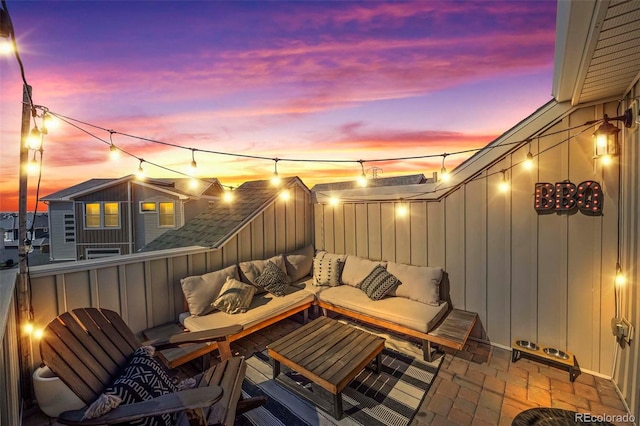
(290, 80)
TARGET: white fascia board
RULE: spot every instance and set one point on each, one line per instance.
(180, 195)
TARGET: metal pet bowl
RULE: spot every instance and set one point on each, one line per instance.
(527, 345)
(556, 353)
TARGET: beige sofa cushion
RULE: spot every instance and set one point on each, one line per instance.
(327, 268)
(263, 306)
(299, 263)
(235, 296)
(201, 290)
(357, 269)
(419, 283)
(251, 269)
(406, 312)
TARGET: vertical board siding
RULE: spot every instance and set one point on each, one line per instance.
(10, 402)
(541, 277)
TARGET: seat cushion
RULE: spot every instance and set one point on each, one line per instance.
(201, 290)
(409, 313)
(142, 379)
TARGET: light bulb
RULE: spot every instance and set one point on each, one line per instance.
(113, 152)
(528, 163)
(6, 47)
(402, 210)
(140, 173)
(228, 196)
(334, 201)
(193, 183)
(444, 175)
(607, 160)
(620, 279)
(504, 186)
(37, 333)
(193, 168)
(285, 195)
(602, 140)
(28, 328)
(34, 140)
(33, 166)
(275, 179)
(49, 122)
(362, 180)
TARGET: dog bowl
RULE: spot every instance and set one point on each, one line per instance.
(527, 345)
(556, 353)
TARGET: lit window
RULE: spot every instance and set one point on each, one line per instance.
(167, 216)
(111, 215)
(147, 207)
(92, 215)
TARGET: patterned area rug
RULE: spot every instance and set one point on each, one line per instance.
(389, 398)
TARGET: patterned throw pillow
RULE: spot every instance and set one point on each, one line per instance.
(235, 296)
(327, 269)
(142, 379)
(378, 283)
(273, 279)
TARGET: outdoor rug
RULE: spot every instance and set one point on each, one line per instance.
(389, 398)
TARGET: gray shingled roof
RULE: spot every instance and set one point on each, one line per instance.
(81, 187)
(214, 226)
(372, 183)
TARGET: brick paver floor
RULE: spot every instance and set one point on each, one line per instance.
(477, 386)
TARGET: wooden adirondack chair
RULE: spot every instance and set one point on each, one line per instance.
(88, 348)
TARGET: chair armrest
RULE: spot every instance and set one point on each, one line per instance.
(169, 403)
(194, 337)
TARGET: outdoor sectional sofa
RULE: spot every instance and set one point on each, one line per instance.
(410, 300)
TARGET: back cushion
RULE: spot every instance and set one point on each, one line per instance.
(201, 290)
(299, 263)
(327, 268)
(357, 269)
(419, 283)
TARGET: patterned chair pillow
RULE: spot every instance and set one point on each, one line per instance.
(378, 283)
(327, 269)
(273, 279)
(142, 379)
(235, 296)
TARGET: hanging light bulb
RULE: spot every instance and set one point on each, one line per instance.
(6, 28)
(193, 168)
(48, 122)
(140, 173)
(402, 210)
(606, 159)
(114, 153)
(528, 163)
(37, 333)
(227, 196)
(620, 278)
(33, 166)
(193, 183)
(444, 175)
(28, 328)
(504, 185)
(334, 201)
(362, 180)
(285, 194)
(275, 179)
(34, 140)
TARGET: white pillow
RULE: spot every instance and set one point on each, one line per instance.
(327, 268)
(201, 290)
(299, 263)
(357, 269)
(419, 283)
(252, 269)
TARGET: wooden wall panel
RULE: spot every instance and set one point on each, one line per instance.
(474, 239)
(78, 293)
(329, 228)
(269, 232)
(318, 226)
(245, 244)
(498, 254)
(301, 218)
(162, 294)
(552, 250)
(349, 211)
(435, 234)
(387, 232)
(455, 245)
(109, 288)
(403, 231)
(136, 297)
(374, 230)
(416, 233)
(338, 228)
(281, 226)
(362, 230)
(257, 237)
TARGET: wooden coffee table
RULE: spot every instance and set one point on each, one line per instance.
(330, 354)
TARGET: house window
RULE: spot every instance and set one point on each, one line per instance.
(8, 235)
(102, 215)
(166, 216)
(147, 207)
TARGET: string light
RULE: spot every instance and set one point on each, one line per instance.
(140, 173)
(528, 163)
(620, 278)
(193, 169)
(504, 185)
(275, 179)
(362, 180)
(285, 194)
(113, 151)
(28, 328)
(444, 175)
(402, 210)
(334, 201)
(34, 140)
(227, 196)
(607, 160)
(33, 166)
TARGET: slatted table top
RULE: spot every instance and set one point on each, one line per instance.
(328, 352)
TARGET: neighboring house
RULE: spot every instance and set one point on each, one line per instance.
(9, 228)
(254, 204)
(109, 217)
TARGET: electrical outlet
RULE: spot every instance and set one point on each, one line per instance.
(622, 329)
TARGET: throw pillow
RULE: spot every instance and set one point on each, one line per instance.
(142, 379)
(299, 263)
(419, 283)
(251, 269)
(200, 291)
(378, 283)
(273, 280)
(327, 269)
(356, 269)
(235, 296)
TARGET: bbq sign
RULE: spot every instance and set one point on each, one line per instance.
(567, 197)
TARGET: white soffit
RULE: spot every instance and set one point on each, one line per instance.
(600, 60)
